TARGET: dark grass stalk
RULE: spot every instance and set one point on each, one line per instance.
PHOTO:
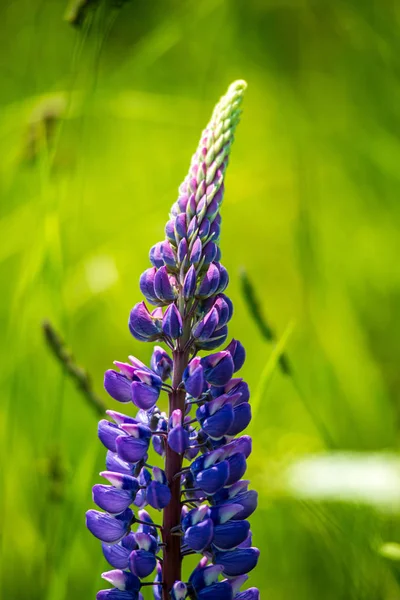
(78, 375)
(268, 333)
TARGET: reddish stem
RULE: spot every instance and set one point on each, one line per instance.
(172, 559)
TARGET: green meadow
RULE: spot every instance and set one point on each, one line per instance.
(101, 107)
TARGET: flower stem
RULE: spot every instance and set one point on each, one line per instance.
(173, 465)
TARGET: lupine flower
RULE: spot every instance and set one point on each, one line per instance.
(200, 493)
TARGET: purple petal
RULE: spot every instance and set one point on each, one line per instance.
(111, 499)
(117, 385)
(143, 395)
(142, 563)
(158, 495)
(131, 449)
(108, 433)
(122, 580)
(213, 479)
(198, 537)
(116, 555)
(172, 322)
(229, 535)
(107, 528)
(237, 562)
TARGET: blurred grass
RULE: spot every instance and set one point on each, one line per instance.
(97, 126)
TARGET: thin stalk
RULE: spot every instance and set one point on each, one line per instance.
(172, 559)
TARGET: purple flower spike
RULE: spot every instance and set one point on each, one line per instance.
(172, 322)
(107, 528)
(208, 407)
(117, 385)
(142, 563)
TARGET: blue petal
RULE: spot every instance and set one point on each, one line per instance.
(108, 433)
(115, 594)
(218, 591)
(107, 528)
(213, 479)
(131, 449)
(237, 562)
(218, 368)
(217, 425)
(237, 467)
(117, 385)
(116, 555)
(122, 580)
(111, 499)
(178, 439)
(115, 463)
(230, 534)
(250, 594)
(158, 495)
(241, 418)
(142, 563)
(199, 536)
(248, 501)
(143, 395)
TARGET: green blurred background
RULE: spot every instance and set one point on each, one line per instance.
(98, 122)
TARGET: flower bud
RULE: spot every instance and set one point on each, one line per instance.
(178, 437)
(238, 353)
(209, 283)
(162, 285)
(193, 378)
(172, 322)
(189, 284)
(142, 325)
(161, 363)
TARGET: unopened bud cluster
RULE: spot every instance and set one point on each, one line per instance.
(201, 491)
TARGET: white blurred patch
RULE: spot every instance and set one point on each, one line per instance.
(372, 479)
(101, 273)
